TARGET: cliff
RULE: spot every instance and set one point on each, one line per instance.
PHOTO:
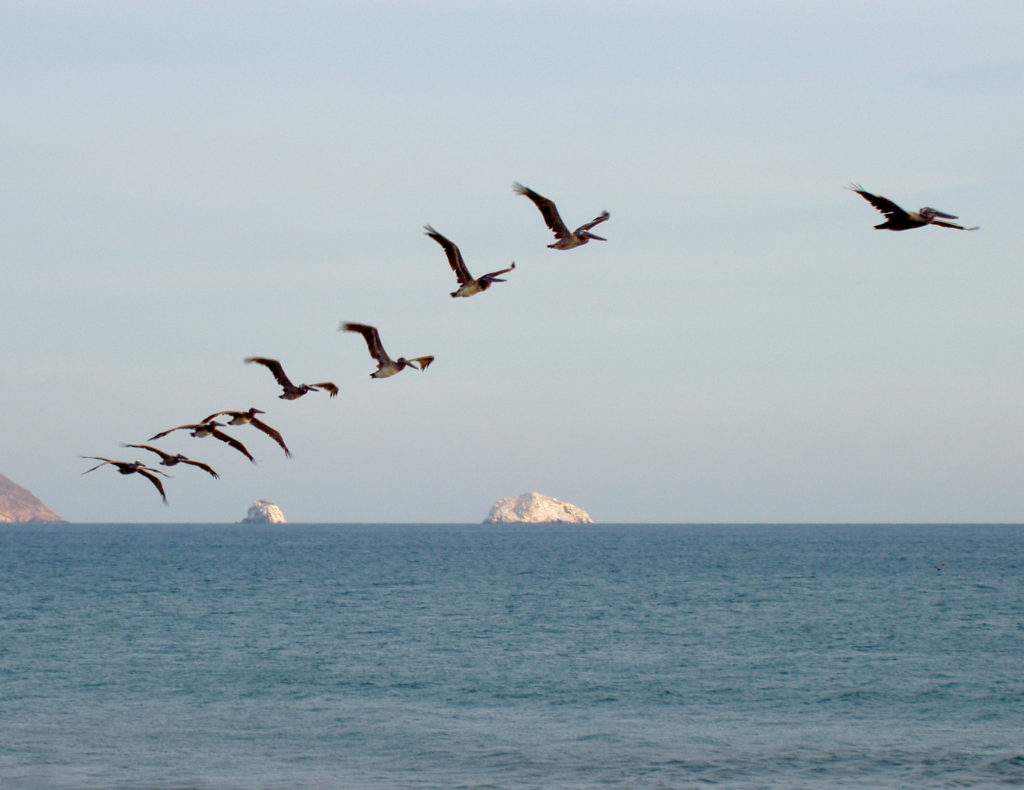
(534, 508)
(264, 512)
(19, 505)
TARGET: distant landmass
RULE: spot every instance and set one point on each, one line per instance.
(534, 508)
(19, 505)
(263, 512)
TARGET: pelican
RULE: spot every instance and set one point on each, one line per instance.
(249, 418)
(131, 467)
(291, 391)
(565, 239)
(207, 428)
(898, 219)
(468, 286)
(386, 366)
(166, 459)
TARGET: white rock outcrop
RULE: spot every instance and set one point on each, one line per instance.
(264, 512)
(534, 508)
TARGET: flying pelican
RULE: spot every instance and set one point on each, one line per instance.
(898, 219)
(468, 286)
(291, 391)
(166, 459)
(131, 467)
(565, 239)
(207, 428)
(386, 366)
(249, 418)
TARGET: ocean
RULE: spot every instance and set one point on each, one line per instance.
(393, 657)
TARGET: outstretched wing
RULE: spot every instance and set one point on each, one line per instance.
(330, 386)
(275, 368)
(455, 259)
(233, 442)
(205, 467)
(104, 461)
(218, 414)
(146, 473)
(275, 434)
(372, 338)
(886, 206)
(162, 434)
(952, 225)
(493, 275)
(164, 456)
(595, 221)
(547, 210)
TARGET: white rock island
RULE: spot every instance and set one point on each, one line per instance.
(264, 512)
(534, 508)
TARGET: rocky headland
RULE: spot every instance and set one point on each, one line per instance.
(263, 512)
(534, 508)
(18, 505)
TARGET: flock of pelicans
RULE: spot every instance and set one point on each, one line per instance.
(896, 219)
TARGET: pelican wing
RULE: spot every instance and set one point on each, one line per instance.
(148, 474)
(205, 467)
(233, 442)
(886, 206)
(163, 455)
(275, 368)
(455, 259)
(162, 434)
(953, 225)
(595, 221)
(547, 210)
(330, 386)
(273, 433)
(372, 338)
(493, 275)
(104, 461)
(218, 414)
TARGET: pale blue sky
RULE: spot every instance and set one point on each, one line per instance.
(188, 184)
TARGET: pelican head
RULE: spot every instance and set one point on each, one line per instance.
(929, 213)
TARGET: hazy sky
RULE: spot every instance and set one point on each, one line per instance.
(190, 183)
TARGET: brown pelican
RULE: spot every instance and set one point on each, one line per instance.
(898, 219)
(207, 428)
(131, 467)
(467, 284)
(166, 459)
(249, 418)
(386, 366)
(565, 239)
(291, 391)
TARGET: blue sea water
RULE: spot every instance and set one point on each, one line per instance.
(224, 657)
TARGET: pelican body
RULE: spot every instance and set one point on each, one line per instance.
(899, 219)
(167, 459)
(249, 418)
(386, 366)
(564, 239)
(206, 428)
(291, 391)
(129, 468)
(468, 285)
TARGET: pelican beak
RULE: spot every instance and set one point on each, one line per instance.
(599, 238)
(944, 215)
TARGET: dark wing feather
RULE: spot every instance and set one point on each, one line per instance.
(330, 386)
(372, 338)
(492, 275)
(201, 465)
(886, 206)
(154, 480)
(455, 259)
(547, 210)
(275, 368)
(231, 440)
(162, 434)
(596, 221)
(273, 433)
(105, 461)
(164, 456)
